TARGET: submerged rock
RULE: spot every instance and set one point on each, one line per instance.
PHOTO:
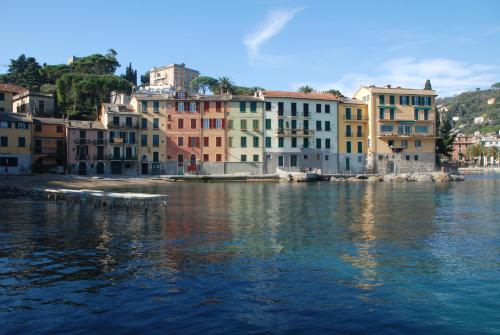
(423, 178)
(374, 179)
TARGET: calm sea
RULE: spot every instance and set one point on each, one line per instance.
(253, 258)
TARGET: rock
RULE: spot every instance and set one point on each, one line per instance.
(361, 176)
(457, 178)
(400, 178)
(411, 178)
(423, 178)
(374, 179)
(441, 177)
(335, 179)
(354, 179)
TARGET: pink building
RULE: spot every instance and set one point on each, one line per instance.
(87, 147)
(460, 145)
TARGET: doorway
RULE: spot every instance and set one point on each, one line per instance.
(144, 168)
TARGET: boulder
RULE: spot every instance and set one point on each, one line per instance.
(423, 178)
(411, 178)
(400, 178)
(374, 179)
(335, 179)
(361, 176)
(441, 177)
(457, 178)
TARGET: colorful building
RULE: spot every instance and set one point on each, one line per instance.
(122, 123)
(34, 103)
(352, 135)
(401, 127)
(152, 111)
(15, 143)
(460, 145)
(7, 93)
(245, 135)
(49, 145)
(300, 131)
(87, 147)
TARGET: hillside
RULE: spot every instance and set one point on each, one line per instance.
(468, 105)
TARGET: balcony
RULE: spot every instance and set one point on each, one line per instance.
(301, 132)
(289, 114)
(47, 151)
(82, 157)
(356, 119)
(112, 125)
(406, 135)
(121, 141)
(100, 157)
(94, 141)
(125, 157)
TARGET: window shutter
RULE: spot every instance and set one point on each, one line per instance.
(223, 124)
(197, 106)
(197, 142)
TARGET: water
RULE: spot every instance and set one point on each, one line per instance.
(259, 258)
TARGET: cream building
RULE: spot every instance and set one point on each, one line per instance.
(35, 103)
(7, 93)
(402, 135)
(177, 76)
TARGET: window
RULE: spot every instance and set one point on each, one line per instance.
(181, 95)
(294, 142)
(144, 123)
(281, 160)
(8, 161)
(404, 143)
(404, 129)
(381, 100)
(255, 158)
(180, 141)
(192, 107)
(219, 123)
(193, 123)
(294, 109)
(255, 124)
(391, 113)
(306, 109)
(386, 128)
(156, 140)
(21, 142)
(392, 100)
(4, 141)
(327, 143)
(156, 106)
(206, 123)
(243, 124)
(268, 142)
(243, 158)
(144, 140)
(230, 140)
(427, 101)
(281, 142)
(318, 108)
(4, 124)
(327, 109)
(218, 106)
(421, 129)
(38, 127)
(180, 107)
(306, 143)
(156, 156)
(21, 125)
(348, 113)
(253, 106)
(194, 142)
(206, 141)
(318, 143)
(327, 126)
(59, 129)
(404, 100)
(243, 106)
(268, 106)
(255, 141)
(390, 143)
(359, 113)
(415, 157)
(305, 157)
(281, 108)
(415, 114)
(243, 141)
(360, 147)
(348, 148)
(268, 124)
(318, 125)
(144, 106)
(293, 160)
(156, 123)
(418, 144)
(426, 115)
(348, 132)
(218, 141)
(359, 131)
(381, 114)
(230, 124)
(2, 96)
(206, 106)
(407, 157)
(327, 157)
(180, 123)
(218, 157)
(205, 157)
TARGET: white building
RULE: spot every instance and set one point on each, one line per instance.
(300, 131)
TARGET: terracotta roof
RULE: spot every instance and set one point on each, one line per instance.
(80, 124)
(11, 88)
(6, 116)
(352, 101)
(48, 120)
(300, 95)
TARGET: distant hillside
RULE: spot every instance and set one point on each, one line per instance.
(469, 105)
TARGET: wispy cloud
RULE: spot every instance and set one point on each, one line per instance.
(448, 76)
(275, 21)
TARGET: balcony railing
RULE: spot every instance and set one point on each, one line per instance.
(289, 114)
(47, 151)
(113, 125)
(365, 118)
(113, 157)
(94, 141)
(119, 140)
(82, 157)
(100, 157)
(294, 132)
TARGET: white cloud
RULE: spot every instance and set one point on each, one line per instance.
(447, 76)
(275, 21)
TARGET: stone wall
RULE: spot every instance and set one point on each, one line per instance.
(307, 159)
(398, 163)
(244, 167)
(357, 163)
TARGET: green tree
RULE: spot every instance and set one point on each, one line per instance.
(476, 153)
(496, 85)
(145, 78)
(51, 73)
(336, 92)
(24, 71)
(203, 84)
(96, 64)
(445, 138)
(243, 90)
(428, 85)
(130, 74)
(306, 89)
(225, 85)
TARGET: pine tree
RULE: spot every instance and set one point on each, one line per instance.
(428, 85)
(130, 74)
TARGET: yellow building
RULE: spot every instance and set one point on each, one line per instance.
(245, 135)
(151, 147)
(7, 93)
(15, 143)
(352, 135)
(401, 127)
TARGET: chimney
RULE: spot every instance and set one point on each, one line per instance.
(90, 125)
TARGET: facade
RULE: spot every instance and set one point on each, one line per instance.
(35, 103)
(152, 129)
(49, 144)
(300, 131)
(86, 147)
(177, 76)
(15, 143)
(401, 129)
(460, 145)
(122, 123)
(7, 93)
(352, 135)
(245, 135)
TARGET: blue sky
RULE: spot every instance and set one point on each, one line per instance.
(273, 44)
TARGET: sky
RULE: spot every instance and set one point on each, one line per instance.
(273, 44)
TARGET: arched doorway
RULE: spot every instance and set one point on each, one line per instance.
(100, 168)
(144, 164)
(82, 168)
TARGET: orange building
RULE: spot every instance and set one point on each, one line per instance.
(49, 145)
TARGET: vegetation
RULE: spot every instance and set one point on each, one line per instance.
(445, 139)
(336, 92)
(203, 84)
(306, 89)
(428, 85)
(24, 71)
(145, 78)
(130, 75)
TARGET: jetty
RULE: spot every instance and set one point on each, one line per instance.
(98, 199)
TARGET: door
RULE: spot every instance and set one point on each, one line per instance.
(192, 163)
(348, 164)
(293, 160)
(116, 167)
(144, 168)
(390, 167)
(82, 168)
(100, 168)
(180, 164)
